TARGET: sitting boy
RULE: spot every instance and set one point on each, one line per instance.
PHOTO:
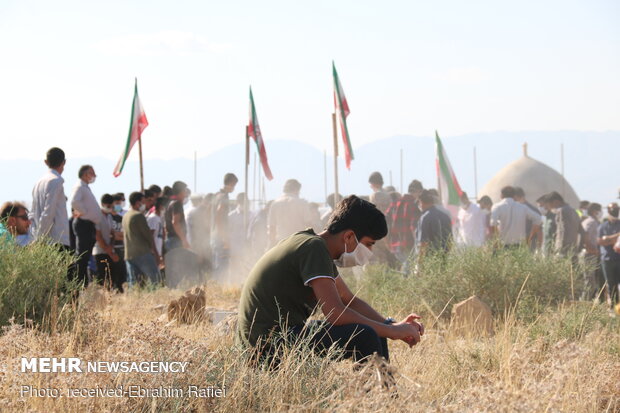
(299, 273)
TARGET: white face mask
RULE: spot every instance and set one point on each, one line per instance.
(359, 256)
(106, 210)
(142, 208)
(543, 210)
(92, 180)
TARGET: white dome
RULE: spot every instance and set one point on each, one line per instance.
(534, 177)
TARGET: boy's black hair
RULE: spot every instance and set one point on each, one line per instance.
(555, 196)
(83, 170)
(107, 199)
(135, 197)
(155, 188)
(230, 178)
(508, 192)
(375, 178)
(360, 216)
(55, 157)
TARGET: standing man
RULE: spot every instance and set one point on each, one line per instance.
(520, 198)
(471, 223)
(289, 214)
(49, 203)
(568, 226)
(220, 240)
(508, 219)
(404, 216)
(379, 197)
(176, 228)
(594, 281)
(140, 252)
(87, 216)
(14, 221)
(434, 232)
(608, 234)
(108, 262)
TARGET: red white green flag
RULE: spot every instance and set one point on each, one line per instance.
(255, 133)
(342, 109)
(449, 189)
(137, 124)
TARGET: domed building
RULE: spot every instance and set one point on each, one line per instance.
(534, 177)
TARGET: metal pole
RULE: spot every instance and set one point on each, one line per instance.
(562, 168)
(247, 164)
(254, 185)
(325, 174)
(195, 172)
(335, 130)
(475, 174)
(391, 184)
(401, 170)
(141, 167)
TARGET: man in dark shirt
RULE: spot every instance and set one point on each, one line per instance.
(608, 234)
(220, 239)
(140, 252)
(176, 229)
(299, 275)
(434, 232)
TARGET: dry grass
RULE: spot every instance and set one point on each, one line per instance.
(568, 360)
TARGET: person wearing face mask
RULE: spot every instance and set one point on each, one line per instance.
(141, 254)
(568, 227)
(594, 281)
(86, 218)
(300, 274)
(608, 234)
(109, 264)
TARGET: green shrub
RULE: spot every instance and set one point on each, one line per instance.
(507, 280)
(33, 282)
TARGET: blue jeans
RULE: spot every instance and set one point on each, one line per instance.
(144, 265)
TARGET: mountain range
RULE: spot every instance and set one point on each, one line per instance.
(590, 165)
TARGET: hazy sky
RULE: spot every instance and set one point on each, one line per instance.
(407, 67)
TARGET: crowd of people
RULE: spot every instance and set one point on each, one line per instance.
(291, 247)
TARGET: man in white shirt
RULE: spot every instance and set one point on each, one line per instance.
(87, 217)
(49, 203)
(289, 214)
(508, 219)
(471, 223)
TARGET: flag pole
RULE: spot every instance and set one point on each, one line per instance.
(247, 164)
(401, 170)
(141, 168)
(335, 129)
(195, 171)
(254, 184)
(475, 174)
(325, 174)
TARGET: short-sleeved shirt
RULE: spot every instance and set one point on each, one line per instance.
(219, 217)
(277, 291)
(511, 217)
(174, 208)
(609, 227)
(590, 228)
(105, 226)
(434, 228)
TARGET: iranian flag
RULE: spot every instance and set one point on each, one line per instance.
(137, 124)
(449, 189)
(342, 109)
(255, 133)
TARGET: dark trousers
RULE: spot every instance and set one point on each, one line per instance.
(358, 341)
(110, 273)
(611, 270)
(84, 242)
